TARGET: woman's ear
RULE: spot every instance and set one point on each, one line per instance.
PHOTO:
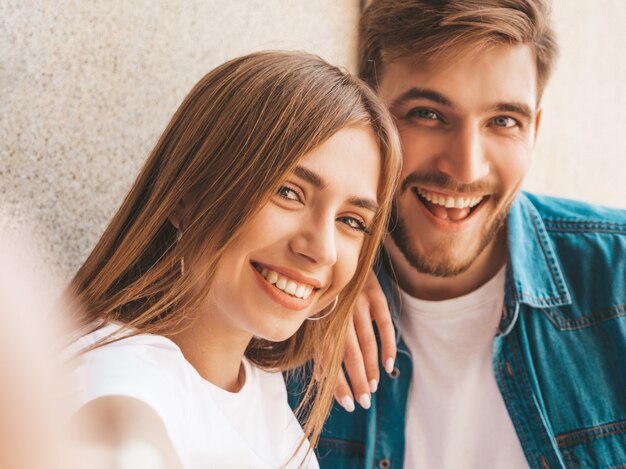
(178, 216)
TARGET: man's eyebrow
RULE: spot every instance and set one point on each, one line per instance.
(518, 108)
(431, 95)
(318, 182)
(421, 93)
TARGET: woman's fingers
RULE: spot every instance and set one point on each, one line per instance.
(367, 343)
(380, 314)
(361, 360)
(355, 368)
(343, 394)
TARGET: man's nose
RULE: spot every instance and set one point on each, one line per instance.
(465, 159)
(316, 241)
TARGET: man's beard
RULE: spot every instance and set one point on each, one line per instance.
(440, 262)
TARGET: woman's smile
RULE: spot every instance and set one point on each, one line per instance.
(283, 289)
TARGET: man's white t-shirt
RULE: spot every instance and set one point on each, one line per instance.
(455, 414)
(208, 426)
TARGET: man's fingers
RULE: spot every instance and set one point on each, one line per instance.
(379, 310)
(367, 343)
(343, 395)
(355, 368)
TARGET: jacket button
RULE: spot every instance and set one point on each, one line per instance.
(509, 368)
(394, 374)
(544, 462)
(384, 463)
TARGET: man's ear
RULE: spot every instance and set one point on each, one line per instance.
(537, 123)
(178, 216)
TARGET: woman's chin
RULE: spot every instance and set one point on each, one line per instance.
(280, 333)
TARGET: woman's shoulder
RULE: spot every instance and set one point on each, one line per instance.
(147, 367)
(143, 367)
(124, 352)
(118, 337)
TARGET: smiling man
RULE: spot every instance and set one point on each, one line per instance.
(468, 129)
(509, 308)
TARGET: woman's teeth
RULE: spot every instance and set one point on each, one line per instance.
(300, 290)
(448, 201)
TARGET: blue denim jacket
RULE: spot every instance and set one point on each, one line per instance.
(559, 357)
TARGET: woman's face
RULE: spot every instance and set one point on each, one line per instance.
(297, 254)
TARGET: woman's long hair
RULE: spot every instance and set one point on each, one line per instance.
(236, 135)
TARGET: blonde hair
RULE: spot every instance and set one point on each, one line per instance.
(236, 135)
(422, 29)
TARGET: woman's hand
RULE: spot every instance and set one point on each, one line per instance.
(361, 352)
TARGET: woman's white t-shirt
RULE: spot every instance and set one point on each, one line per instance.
(207, 425)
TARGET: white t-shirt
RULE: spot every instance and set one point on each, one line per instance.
(208, 426)
(456, 416)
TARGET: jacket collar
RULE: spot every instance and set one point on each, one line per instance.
(534, 275)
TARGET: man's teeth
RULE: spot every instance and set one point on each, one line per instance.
(300, 290)
(448, 201)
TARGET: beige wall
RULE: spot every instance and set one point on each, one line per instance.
(581, 151)
(87, 86)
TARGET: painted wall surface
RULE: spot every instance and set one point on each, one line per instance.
(87, 87)
(581, 149)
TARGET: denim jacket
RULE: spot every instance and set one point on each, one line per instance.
(559, 356)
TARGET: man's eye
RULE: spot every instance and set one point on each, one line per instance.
(504, 121)
(287, 193)
(355, 224)
(424, 113)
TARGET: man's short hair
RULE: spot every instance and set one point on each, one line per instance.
(426, 29)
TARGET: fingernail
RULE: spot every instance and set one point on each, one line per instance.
(365, 402)
(389, 365)
(347, 403)
(373, 385)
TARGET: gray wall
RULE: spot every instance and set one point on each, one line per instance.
(87, 87)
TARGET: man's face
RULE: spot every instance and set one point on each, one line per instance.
(467, 130)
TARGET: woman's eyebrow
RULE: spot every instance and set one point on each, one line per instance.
(317, 181)
(367, 204)
(310, 177)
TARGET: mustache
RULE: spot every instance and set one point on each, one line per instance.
(445, 182)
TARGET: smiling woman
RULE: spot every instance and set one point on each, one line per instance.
(261, 206)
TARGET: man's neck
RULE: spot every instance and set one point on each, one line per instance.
(433, 288)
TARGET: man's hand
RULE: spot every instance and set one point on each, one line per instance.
(361, 352)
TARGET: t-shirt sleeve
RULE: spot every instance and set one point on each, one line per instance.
(149, 374)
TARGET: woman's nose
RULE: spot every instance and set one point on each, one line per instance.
(316, 242)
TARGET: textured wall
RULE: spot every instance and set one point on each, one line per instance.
(87, 87)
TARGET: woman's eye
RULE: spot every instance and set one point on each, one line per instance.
(355, 224)
(288, 193)
(504, 121)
